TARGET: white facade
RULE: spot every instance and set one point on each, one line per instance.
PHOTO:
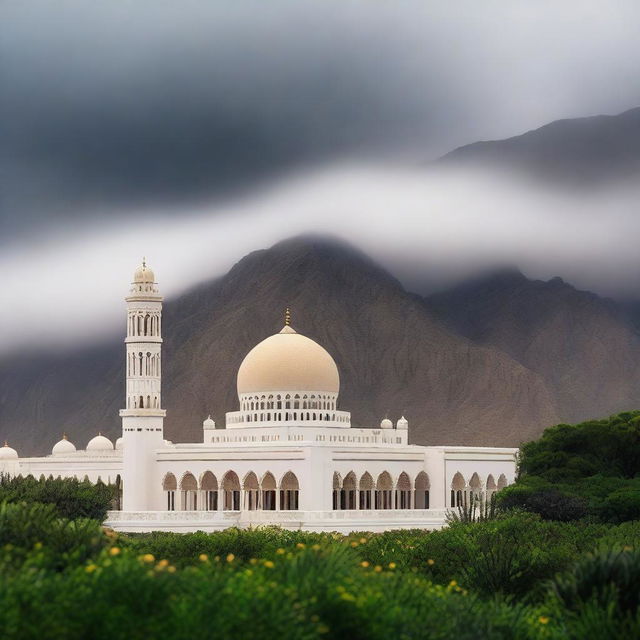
(288, 456)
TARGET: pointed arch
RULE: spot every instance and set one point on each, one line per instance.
(189, 489)
(251, 489)
(231, 491)
(502, 481)
(421, 494)
(268, 491)
(458, 487)
(403, 492)
(383, 493)
(491, 484)
(209, 488)
(289, 492)
(169, 482)
(347, 496)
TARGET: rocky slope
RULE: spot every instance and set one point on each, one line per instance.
(585, 347)
(576, 152)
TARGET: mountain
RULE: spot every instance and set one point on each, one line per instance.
(585, 347)
(573, 152)
(394, 356)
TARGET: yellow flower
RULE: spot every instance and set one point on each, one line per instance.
(114, 551)
(363, 540)
(392, 565)
(203, 557)
(453, 583)
(171, 569)
(253, 561)
(162, 564)
(354, 544)
(377, 568)
(90, 568)
(627, 548)
(269, 564)
(231, 557)
(37, 545)
(364, 564)
(148, 558)
(280, 552)
(543, 619)
(431, 562)
(300, 545)
(316, 547)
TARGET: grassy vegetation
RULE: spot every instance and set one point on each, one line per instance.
(513, 577)
(552, 559)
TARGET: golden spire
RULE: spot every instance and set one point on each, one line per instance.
(287, 317)
(144, 262)
(6, 444)
(64, 435)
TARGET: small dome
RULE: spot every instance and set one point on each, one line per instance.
(119, 443)
(386, 424)
(403, 423)
(100, 443)
(63, 446)
(8, 453)
(144, 274)
(288, 361)
(209, 423)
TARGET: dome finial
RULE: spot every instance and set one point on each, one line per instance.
(64, 435)
(6, 444)
(287, 317)
(144, 261)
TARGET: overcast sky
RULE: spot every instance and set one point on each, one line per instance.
(171, 129)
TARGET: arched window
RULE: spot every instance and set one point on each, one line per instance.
(268, 492)
(348, 493)
(209, 488)
(170, 485)
(189, 488)
(502, 481)
(231, 491)
(251, 491)
(337, 486)
(403, 492)
(491, 486)
(421, 496)
(384, 488)
(458, 486)
(365, 489)
(289, 492)
(476, 486)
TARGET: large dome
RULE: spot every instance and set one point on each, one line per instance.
(288, 361)
(143, 274)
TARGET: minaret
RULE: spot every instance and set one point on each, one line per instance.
(142, 417)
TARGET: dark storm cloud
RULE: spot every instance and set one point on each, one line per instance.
(107, 107)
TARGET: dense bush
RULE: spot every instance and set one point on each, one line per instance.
(589, 469)
(72, 498)
(601, 595)
(493, 579)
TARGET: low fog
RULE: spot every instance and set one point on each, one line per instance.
(430, 229)
(195, 133)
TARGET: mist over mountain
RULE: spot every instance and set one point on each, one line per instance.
(394, 356)
(576, 152)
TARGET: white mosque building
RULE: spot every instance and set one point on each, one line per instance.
(289, 456)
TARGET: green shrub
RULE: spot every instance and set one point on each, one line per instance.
(72, 498)
(601, 595)
(57, 542)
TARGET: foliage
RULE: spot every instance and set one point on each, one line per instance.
(601, 595)
(476, 509)
(491, 579)
(72, 498)
(584, 470)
